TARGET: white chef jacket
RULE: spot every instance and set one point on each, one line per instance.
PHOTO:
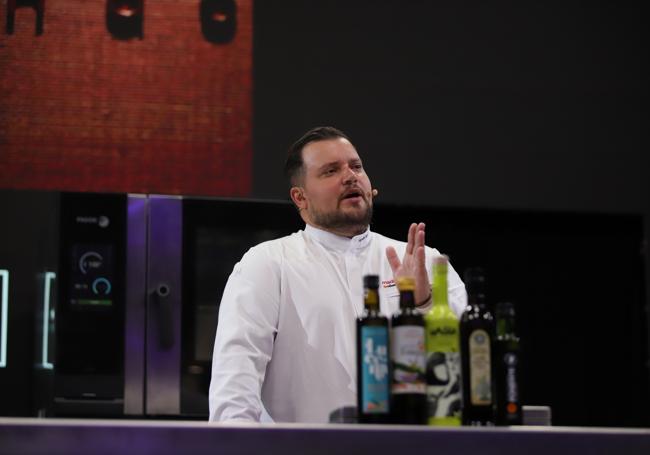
(286, 337)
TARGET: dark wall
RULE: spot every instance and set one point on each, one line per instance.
(498, 104)
(578, 305)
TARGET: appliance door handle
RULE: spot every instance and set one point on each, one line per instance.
(4, 317)
(163, 307)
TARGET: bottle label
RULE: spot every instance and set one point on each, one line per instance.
(442, 336)
(480, 368)
(443, 385)
(374, 370)
(510, 362)
(407, 351)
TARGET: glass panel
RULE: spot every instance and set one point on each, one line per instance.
(217, 233)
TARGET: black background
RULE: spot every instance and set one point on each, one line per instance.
(502, 104)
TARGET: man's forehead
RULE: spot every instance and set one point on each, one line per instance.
(319, 153)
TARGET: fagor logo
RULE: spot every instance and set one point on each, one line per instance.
(102, 221)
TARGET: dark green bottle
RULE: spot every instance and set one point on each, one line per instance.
(507, 366)
(476, 347)
(373, 380)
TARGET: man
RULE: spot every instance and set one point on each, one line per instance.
(286, 335)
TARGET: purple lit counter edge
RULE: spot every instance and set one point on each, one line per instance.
(89, 437)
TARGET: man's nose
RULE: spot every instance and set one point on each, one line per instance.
(349, 176)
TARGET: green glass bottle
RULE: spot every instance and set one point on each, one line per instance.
(507, 366)
(444, 400)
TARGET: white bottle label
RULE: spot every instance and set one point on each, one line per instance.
(408, 356)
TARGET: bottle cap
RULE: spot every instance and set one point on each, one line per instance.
(406, 283)
(440, 264)
(475, 280)
(443, 259)
(505, 309)
(371, 281)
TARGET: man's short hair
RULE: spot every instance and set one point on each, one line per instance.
(293, 166)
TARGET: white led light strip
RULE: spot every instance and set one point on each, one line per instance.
(4, 315)
(49, 276)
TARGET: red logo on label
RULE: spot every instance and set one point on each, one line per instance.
(388, 283)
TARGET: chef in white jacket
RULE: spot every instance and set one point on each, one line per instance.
(285, 342)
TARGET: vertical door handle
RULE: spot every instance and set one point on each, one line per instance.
(163, 307)
(4, 316)
(47, 293)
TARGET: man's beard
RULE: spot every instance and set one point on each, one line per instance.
(356, 222)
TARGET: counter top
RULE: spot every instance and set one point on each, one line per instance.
(90, 436)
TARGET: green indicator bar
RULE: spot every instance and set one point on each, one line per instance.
(93, 302)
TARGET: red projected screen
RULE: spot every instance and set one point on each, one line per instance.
(127, 96)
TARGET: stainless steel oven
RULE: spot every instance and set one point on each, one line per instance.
(140, 280)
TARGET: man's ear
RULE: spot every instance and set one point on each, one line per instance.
(298, 197)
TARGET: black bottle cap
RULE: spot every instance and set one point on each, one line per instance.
(475, 280)
(505, 309)
(371, 281)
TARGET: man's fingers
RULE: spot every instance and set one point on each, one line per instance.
(410, 243)
(420, 259)
(393, 259)
(419, 237)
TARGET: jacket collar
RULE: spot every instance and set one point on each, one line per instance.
(337, 242)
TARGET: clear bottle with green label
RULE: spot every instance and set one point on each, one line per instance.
(444, 399)
(373, 380)
(477, 351)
